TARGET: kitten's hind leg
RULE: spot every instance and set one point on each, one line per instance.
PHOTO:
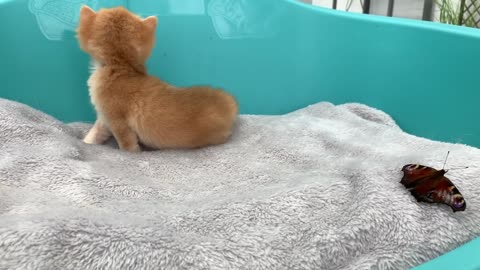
(98, 134)
(126, 138)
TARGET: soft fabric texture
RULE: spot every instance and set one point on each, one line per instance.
(317, 188)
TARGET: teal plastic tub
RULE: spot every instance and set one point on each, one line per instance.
(275, 56)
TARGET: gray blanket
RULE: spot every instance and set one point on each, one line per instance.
(317, 188)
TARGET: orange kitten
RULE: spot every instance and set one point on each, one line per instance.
(138, 108)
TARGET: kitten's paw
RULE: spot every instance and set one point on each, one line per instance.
(132, 148)
(89, 140)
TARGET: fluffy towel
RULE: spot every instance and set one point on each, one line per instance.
(317, 188)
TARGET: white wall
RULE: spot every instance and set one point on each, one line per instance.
(341, 4)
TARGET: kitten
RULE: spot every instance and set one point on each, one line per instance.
(135, 107)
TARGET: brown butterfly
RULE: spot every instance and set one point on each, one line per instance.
(430, 185)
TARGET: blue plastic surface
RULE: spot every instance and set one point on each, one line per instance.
(275, 56)
(462, 258)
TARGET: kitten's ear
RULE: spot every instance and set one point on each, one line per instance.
(86, 13)
(150, 22)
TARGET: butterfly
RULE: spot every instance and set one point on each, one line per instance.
(430, 185)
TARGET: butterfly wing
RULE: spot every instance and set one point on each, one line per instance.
(414, 174)
(440, 190)
(429, 185)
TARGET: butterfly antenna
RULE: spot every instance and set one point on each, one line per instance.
(461, 168)
(445, 160)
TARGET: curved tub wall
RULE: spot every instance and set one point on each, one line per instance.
(463, 258)
(274, 55)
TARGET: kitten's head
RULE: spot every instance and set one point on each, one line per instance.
(116, 35)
